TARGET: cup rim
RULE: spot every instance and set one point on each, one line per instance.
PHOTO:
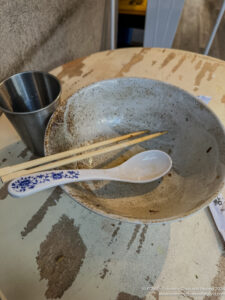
(37, 110)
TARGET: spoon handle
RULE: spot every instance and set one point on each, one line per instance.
(33, 183)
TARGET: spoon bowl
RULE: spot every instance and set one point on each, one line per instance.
(143, 167)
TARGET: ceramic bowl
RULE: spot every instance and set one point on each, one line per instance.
(195, 142)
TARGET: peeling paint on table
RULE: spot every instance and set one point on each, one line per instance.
(36, 219)
(61, 256)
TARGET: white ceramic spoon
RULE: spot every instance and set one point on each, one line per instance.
(143, 167)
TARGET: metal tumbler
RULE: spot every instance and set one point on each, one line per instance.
(28, 100)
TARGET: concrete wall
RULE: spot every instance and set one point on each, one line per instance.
(40, 35)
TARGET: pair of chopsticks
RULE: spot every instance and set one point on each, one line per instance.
(67, 157)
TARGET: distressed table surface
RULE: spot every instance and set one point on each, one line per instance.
(51, 247)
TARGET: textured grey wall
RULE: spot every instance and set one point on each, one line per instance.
(40, 35)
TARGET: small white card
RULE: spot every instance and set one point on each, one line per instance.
(217, 206)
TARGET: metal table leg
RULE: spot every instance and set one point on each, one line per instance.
(219, 18)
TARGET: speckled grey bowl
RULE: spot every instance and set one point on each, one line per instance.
(196, 143)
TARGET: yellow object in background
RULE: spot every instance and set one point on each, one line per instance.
(132, 7)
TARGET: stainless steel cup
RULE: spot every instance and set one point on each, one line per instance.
(28, 99)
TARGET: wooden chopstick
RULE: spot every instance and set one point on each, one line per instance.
(39, 161)
(69, 160)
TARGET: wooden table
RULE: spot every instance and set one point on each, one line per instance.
(53, 247)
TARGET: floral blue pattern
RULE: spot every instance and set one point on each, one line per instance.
(29, 182)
